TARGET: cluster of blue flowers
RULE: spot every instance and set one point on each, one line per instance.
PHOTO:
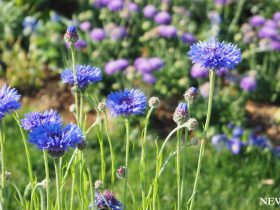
(106, 201)
(236, 143)
(48, 133)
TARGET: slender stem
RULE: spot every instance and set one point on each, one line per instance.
(30, 172)
(57, 165)
(2, 137)
(72, 189)
(184, 163)
(112, 154)
(90, 185)
(142, 160)
(42, 198)
(126, 159)
(178, 168)
(201, 151)
(81, 110)
(69, 165)
(47, 178)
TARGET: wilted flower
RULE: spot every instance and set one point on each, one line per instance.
(192, 124)
(71, 35)
(191, 95)
(9, 100)
(163, 18)
(85, 75)
(97, 34)
(149, 11)
(181, 114)
(101, 106)
(248, 83)
(35, 119)
(126, 102)
(215, 55)
(154, 102)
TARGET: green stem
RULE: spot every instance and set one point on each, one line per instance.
(126, 160)
(57, 165)
(72, 189)
(2, 139)
(81, 110)
(142, 160)
(184, 163)
(201, 151)
(47, 178)
(112, 154)
(178, 168)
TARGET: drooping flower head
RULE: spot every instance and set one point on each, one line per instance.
(181, 114)
(85, 75)
(213, 54)
(71, 35)
(35, 119)
(126, 102)
(55, 138)
(101, 201)
(9, 100)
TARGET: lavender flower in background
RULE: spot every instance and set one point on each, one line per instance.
(222, 2)
(133, 7)
(115, 66)
(181, 114)
(109, 199)
(35, 119)
(163, 18)
(268, 32)
(275, 45)
(55, 17)
(222, 72)
(30, 24)
(204, 89)
(79, 44)
(9, 100)
(149, 11)
(258, 141)
(97, 34)
(148, 65)
(213, 54)
(257, 21)
(219, 141)
(55, 138)
(118, 33)
(234, 145)
(85, 75)
(248, 83)
(276, 16)
(85, 26)
(126, 102)
(167, 31)
(149, 78)
(188, 38)
(115, 5)
(237, 132)
(271, 24)
(199, 72)
(100, 3)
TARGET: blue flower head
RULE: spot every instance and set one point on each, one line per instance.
(258, 141)
(85, 75)
(181, 113)
(127, 102)
(71, 35)
(219, 141)
(55, 138)
(237, 132)
(36, 119)
(9, 100)
(108, 199)
(213, 54)
(235, 145)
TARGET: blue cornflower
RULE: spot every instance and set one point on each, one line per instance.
(9, 100)
(36, 119)
(55, 138)
(126, 102)
(181, 113)
(213, 54)
(235, 145)
(219, 141)
(237, 132)
(85, 75)
(108, 198)
(258, 141)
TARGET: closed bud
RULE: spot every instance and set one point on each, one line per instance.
(82, 145)
(121, 172)
(191, 95)
(71, 36)
(154, 102)
(72, 108)
(101, 107)
(180, 115)
(192, 124)
(98, 185)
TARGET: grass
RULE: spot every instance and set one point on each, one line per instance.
(227, 181)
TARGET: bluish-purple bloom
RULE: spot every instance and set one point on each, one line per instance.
(30, 24)
(110, 199)
(268, 32)
(199, 72)
(237, 131)
(235, 146)
(257, 20)
(276, 16)
(118, 33)
(133, 7)
(248, 83)
(149, 78)
(219, 141)
(163, 18)
(213, 54)
(167, 31)
(71, 35)
(149, 11)
(9, 100)
(115, 66)
(181, 113)
(127, 102)
(148, 65)
(85, 75)
(258, 141)
(97, 34)
(223, 2)
(35, 119)
(115, 5)
(85, 26)
(188, 38)
(55, 138)
(79, 44)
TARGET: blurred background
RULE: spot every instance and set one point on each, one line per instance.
(144, 44)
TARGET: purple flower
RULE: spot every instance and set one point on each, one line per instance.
(181, 114)
(219, 141)
(149, 79)
(115, 5)
(167, 31)
(268, 32)
(118, 33)
(237, 132)
(275, 45)
(156, 63)
(133, 7)
(204, 89)
(188, 38)
(276, 16)
(30, 24)
(108, 199)
(258, 141)
(9, 100)
(271, 24)
(79, 44)
(222, 2)
(100, 3)
(199, 72)
(85, 26)
(213, 54)
(149, 11)
(235, 146)
(71, 35)
(148, 65)
(163, 18)
(221, 72)
(248, 83)
(126, 102)
(257, 20)
(97, 34)
(115, 66)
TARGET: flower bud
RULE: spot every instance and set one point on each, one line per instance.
(56, 153)
(72, 108)
(101, 107)
(82, 145)
(192, 124)
(154, 102)
(180, 115)
(71, 36)
(98, 184)
(191, 95)
(121, 172)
